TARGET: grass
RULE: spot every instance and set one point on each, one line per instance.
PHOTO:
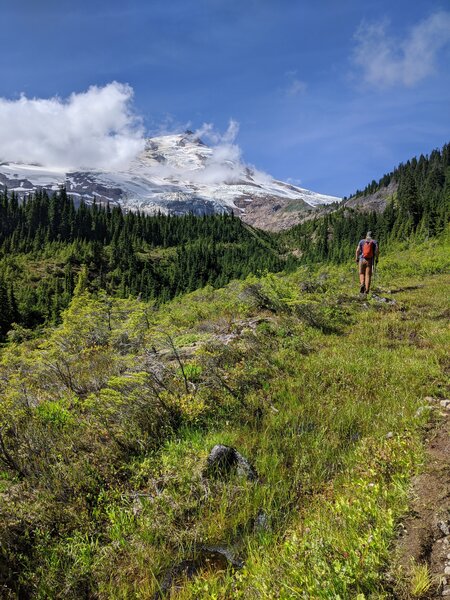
(351, 480)
(421, 581)
(319, 390)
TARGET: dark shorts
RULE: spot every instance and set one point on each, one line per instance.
(364, 265)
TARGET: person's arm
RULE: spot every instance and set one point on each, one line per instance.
(358, 252)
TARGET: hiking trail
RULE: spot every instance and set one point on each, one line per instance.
(426, 530)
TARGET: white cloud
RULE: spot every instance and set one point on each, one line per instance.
(224, 163)
(208, 132)
(296, 87)
(294, 181)
(386, 61)
(95, 129)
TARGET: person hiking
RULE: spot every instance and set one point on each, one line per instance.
(367, 252)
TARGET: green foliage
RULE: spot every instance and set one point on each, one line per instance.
(106, 425)
(340, 546)
(51, 250)
(54, 414)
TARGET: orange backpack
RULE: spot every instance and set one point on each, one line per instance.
(368, 248)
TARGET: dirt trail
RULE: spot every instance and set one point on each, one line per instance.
(426, 535)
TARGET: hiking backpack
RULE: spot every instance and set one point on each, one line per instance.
(368, 248)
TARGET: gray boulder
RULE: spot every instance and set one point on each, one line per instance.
(222, 460)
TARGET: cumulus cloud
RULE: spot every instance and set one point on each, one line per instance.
(95, 129)
(386, 61)
(224, 163)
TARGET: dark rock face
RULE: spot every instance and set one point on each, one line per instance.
(85, 185)
(222, 460)
(23, 185)
(271, 213)
(197, 206)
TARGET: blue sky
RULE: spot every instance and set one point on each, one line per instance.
(327, 94)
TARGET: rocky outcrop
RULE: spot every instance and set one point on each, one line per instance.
(373, 202)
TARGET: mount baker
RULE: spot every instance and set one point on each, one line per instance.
(176, 174)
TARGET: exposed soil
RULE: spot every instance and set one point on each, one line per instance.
(426, 534)
(273, 213)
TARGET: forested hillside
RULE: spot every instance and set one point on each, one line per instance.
(420, 208)
(46, 242)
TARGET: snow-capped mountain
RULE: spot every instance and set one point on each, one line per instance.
(177, 174)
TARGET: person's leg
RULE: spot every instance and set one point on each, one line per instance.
(368, 278)
(362, 276)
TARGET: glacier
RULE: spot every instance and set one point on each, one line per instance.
(177, 174)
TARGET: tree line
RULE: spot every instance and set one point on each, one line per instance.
(419, 207)
(46, 240)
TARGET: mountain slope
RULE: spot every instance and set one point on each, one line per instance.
(177, 174)
(108, 424)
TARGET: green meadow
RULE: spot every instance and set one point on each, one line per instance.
(107, 421)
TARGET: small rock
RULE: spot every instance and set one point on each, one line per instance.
(137, 506)
(446, 591)
(383, 300)
(222, 459)
(445, 403)
(447, 571)
(211, 557)
(389, 435)
(444, 528)
(429, 399)
(261, 522)
(421, 410)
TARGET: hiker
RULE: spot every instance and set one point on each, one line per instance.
(366, 254)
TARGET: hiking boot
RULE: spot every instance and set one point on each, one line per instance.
(362, 289)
